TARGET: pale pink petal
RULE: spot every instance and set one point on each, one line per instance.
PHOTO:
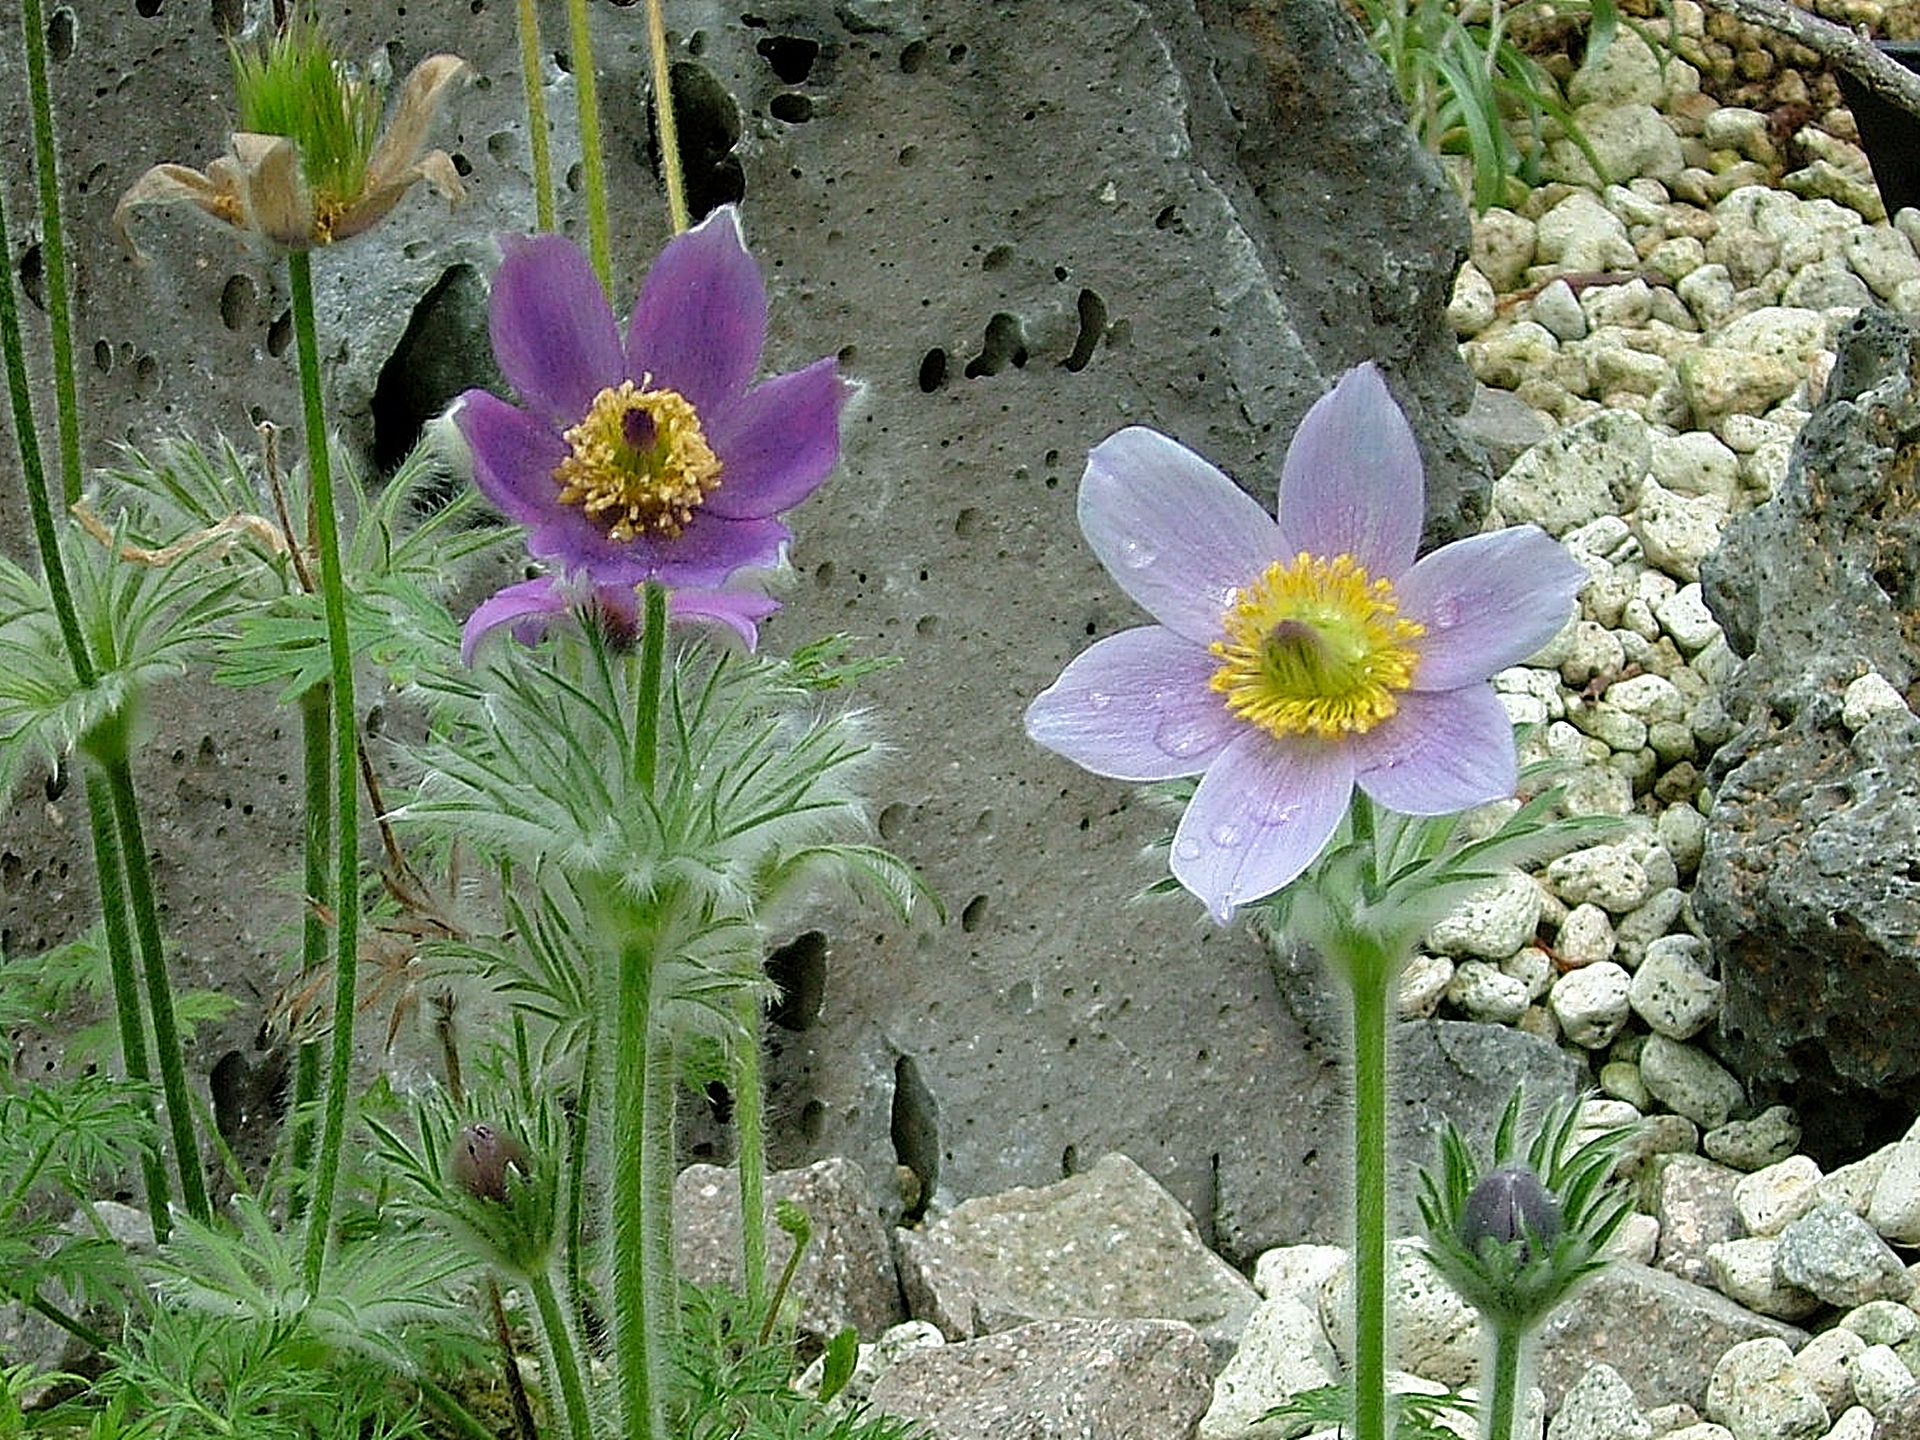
(777, 442)
(1135, 706)
(529, 607)
(701, 319)
(553, 332)
(1352, 483)
(1488, 602)
(1177, 535)
(1263, 811)
(1444, 750)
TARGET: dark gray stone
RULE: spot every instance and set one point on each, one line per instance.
(1056, 1380)
(846, 1276)
(1810, 885)
(1835, 1254)
(1107, 1244)
(1021, 227)
(1662, 1334)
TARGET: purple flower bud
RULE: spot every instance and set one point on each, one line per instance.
(481, 1158)
(1509, 1204)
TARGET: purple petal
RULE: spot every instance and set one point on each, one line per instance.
(1445, 750)
(702, 315)
(1488, 602)
(777, 442)
(514, 456)
(1177, 535)
(1262, 813)
(1135, 706)
(1352, 483)
(703, 555)
(739, 610)
(553, 332)
(527, 606)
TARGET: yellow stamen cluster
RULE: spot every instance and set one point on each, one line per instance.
(633, 490)
(1315, 647)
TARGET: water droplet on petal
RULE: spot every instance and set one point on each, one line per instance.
(1098, 700)
(1446, 612)
(1224, 835)
(1181, 737)
(1137, 555)
(1188, 849)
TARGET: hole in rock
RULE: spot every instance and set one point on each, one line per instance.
(933, 370)
(709, 124)
(914, 1128)
(146, 375)
(912, 57)
(790, 56)
(280, 334)
(1093, 323)
(443, 351)
(799, 969)
(228, 15)
(33, 274)
(792, 108)
(1005, 344)
(974, 915)
(103, 357)
(237, 299)
(146, 8)
(61, 34)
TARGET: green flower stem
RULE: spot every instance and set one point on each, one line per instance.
(79, 1329)
(577, 1138)
(646, 717)
(53, 239)
(592, 159)
(1504, 1392)
(126, 985)
(638, 1328)
(108, 745)
(563, 1356)
(346, 890)
(45, 540)
(536, 114)
(1369, 976)
(750, 1145)
(460, 1419)
(663, 116)
(316, 751)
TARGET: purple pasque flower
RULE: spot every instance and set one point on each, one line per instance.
(1298, 656)
(651, 456)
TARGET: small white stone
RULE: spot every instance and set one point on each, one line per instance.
(1826, 1363)
(1678, 531)
(1688, 1082)
(1880, 1377)
(1282, 1352)
(1894, 1209)
(1422, 984)
(1296, 1270)
(1532, 967)
(1493, 924)
(1605, 875)
(1770, 1199)
(1648, 698)
(1868, 696)
(1687, 619)
(1485, 994)
(1585, 936)
(1635, 1241)
(1756, 1393)
(1856, 1422)
(1474, 304)
(1743, 1271)
(1559, 310)
(1673, 990)
(1591, 1004)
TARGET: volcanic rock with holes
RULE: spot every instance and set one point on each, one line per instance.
(1809, 887)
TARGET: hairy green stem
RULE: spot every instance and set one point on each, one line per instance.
(638, 1328)
(563, 1356)
(536, 102)
(593, 161)
(578, 1131)
(461, 1419)
(346, 890)
(79, 1329)
(108, 745)
(750, 1145)
(53, 241)
(663, 116)
(127, 1015)
(45, 540)
(316, 754)
(1504, 1392)
(1369, 976)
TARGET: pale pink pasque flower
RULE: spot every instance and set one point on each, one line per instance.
(648, 456)
(1298, 656)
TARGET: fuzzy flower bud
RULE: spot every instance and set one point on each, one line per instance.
(1509, 1204)
(482, 1158)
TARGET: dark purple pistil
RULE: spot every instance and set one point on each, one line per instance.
(638, 429)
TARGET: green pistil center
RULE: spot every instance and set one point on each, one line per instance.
(1315, 647)
(638, 463)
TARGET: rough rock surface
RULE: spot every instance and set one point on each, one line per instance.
(1021, 227)
(1809, 887)
(1055, 1380)
(1110, 1242)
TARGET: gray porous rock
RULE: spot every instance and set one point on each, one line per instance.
(1109, 1243)
(1055, 1380)
(1020, 227)
(1835, 1254)
(1807, 889)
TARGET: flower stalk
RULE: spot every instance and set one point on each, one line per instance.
(536, 103)
(664, 119)
(592, 157)
(345, 734)
(53, 238)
